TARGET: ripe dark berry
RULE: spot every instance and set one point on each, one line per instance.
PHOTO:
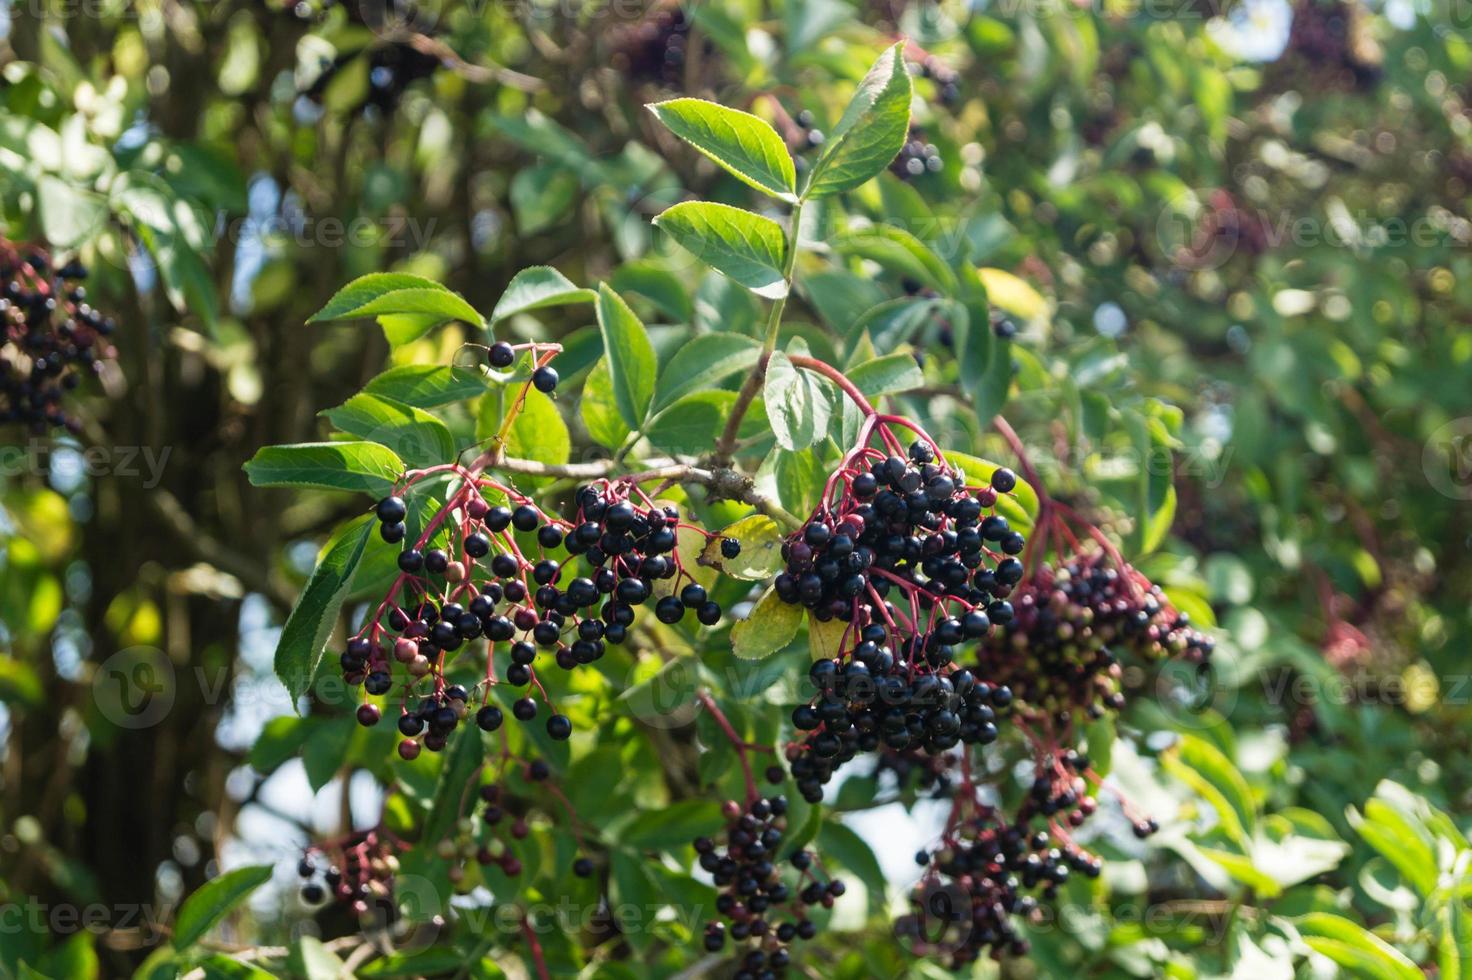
(1003, 480)
(436, 561)
(391, 510)
(525, 518)
(582, 867)
(525, 709)
(378, 682)
(410, 561)
(501, 355)
(392, 533)
(368, 715)
(730, 548)
(477, 545)
(669, 610)
(559, 727)
(544, 379)
(489, 718)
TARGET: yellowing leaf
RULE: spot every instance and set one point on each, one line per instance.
(770, 627)
(761, 549)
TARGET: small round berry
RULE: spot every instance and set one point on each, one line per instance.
(501, 354)
(392, 510)
(525, 709)
(392, 533)
(368, 715)
(477, 545)
(436, 561)
(378, 682)
(408, 750)
(545, 379)
(669, 610)
(582, 867)
(1003, 480)
(525, 518)
(410, 560)
(559, 727)
(730, 548)
(709, 613)
(489, 718)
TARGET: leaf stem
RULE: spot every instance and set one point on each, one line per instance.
(726, 444)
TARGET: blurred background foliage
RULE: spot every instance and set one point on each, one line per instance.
(1233, 242)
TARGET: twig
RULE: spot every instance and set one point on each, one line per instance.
(723, 482)
(436, 48)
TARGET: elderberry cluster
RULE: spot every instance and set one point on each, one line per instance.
(656, 48)
(748, 872)
(917, 157)
(1060, 653)
(49, 337)
(497, 580)
(917, 565)
(947, 80)
(359, 873)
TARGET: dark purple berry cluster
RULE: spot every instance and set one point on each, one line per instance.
(762, 908)
(1061, 652)
(947, 80)
(917, 157)
(50, 336)
(917, 565)
(356, 871)
(526, 584)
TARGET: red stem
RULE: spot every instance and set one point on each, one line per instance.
(837, 377)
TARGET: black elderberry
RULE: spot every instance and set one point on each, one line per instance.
(501, 355)
(489, 718)
(391, 510)
(559, 727)
(525, 709)
(545, 379)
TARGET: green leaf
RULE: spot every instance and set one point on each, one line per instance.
(69, 215)
(541, 196)
(380, 293)
(761, 549)
(427, 385)
(887, 375)
(1401, 839)
(672, 827)
(702, 363)
(416, 436)
(312, 620)
(870, 133)
(825, 640)
(536, 288)
(769, 627)
(214, 900)
(1352, 945)
(902, 253)
(745, 145)
(798, 405)
(435, 961)
(362, 466)
(631, 886)
(657, 282)
(747, 247)
(631, 361)
(323, 753)
(599, 409)
(838, 843)
(1205, 769)
(455, 787)
(309, 958)
(691, 425)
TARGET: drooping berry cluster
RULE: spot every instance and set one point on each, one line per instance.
(947, 80)
(917, 565)
(1060, 653)
(494, 577)
(356, 871)
(917, 157)
(658, 46)
(763, 911)
(50, 336)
